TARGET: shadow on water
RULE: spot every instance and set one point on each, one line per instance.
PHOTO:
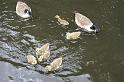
(92, 58)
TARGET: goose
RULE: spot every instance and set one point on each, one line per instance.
(56, 64)
(61, 21)
(31, 59)
(43, 52)
(23, 10)
(85, 23)
(73, 35)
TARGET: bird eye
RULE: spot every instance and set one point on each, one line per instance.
(93, 27)
(26, 10)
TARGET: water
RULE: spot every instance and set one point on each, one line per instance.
(92, 58)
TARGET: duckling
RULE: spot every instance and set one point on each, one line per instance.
(54, 65)
(23, 10)
(31, 59)
(43, 52)
(61, 21)
(73, 35)
(85, 23)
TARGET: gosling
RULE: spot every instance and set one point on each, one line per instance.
(43, 52)
(73, 35)
(31, 59)
(61, 21)
(56, 64)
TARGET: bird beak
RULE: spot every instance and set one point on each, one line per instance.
(97, 30)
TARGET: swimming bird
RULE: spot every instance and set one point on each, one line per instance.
(23, 10)
(85, 23)
(54, 65)
(62, 21)
(43, 52)
(73, 35)
(31, 59)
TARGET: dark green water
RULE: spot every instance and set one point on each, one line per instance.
(92, 58)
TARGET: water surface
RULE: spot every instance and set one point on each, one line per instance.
(92, 58)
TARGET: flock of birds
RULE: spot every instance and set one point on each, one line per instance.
(43, 53)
